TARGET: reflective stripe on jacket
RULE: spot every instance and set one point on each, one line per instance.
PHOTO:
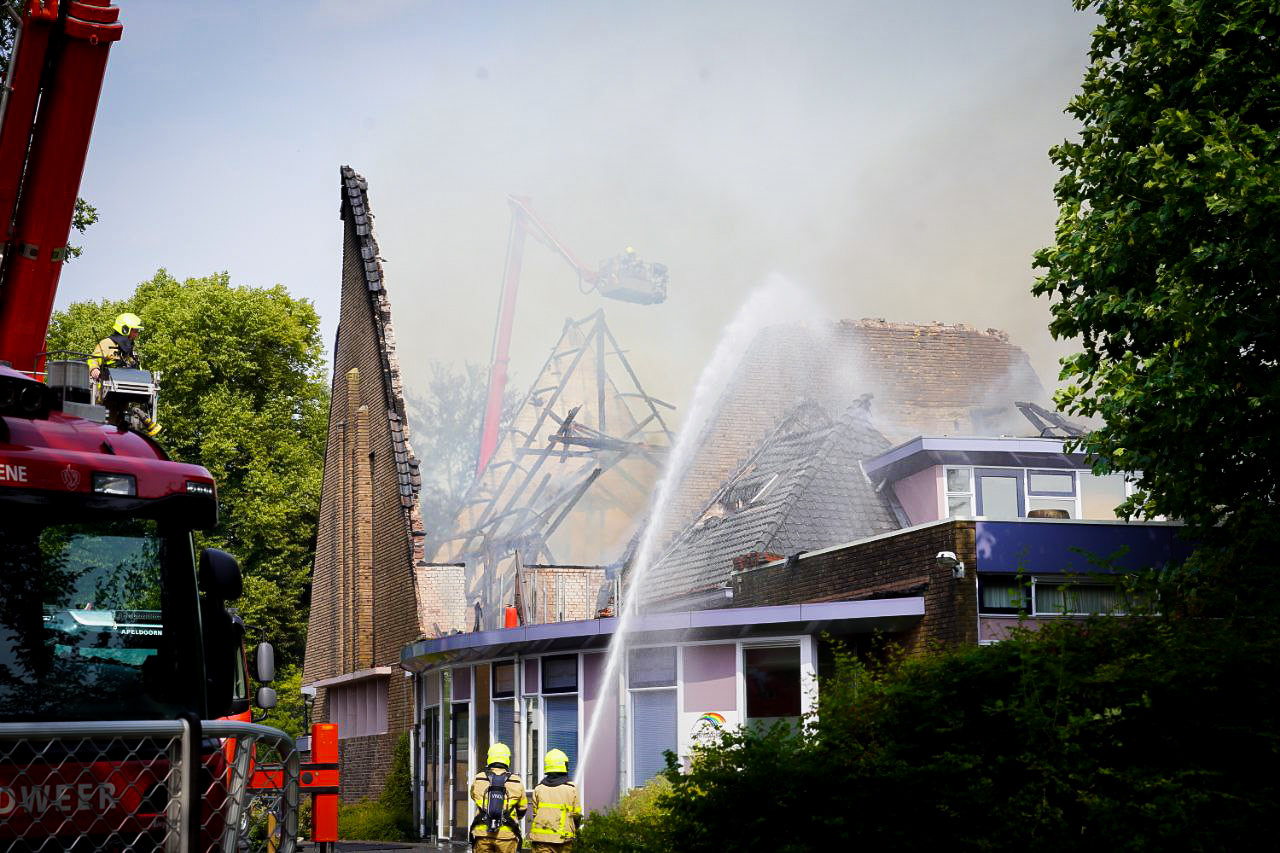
(516, 805)
(556, 812)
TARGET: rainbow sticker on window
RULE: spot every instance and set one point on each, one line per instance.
(713, 719)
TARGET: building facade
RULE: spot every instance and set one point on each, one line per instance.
(364, 605)
(997, 533)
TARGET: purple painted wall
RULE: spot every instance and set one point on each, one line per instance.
(599, 779)
(710, 678)
(918, 495)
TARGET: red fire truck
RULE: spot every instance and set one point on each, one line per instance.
(117, 652)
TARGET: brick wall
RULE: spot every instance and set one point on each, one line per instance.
(442, 597)
(562, 593)
(896, 563)
(364, 592)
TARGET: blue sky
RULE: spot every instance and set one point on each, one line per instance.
(889, 157)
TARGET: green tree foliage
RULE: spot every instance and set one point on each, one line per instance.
(85, 215)
(243, 393)
(1167, 255)
(289, 713)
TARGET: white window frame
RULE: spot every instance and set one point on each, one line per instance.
(535, 761)
(514, 697)
(948, 494)
(678, 688)
(808, 670)
(1024, 479)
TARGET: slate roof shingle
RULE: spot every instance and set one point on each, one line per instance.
(802, 489)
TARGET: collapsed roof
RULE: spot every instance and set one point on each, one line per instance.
(572, 472)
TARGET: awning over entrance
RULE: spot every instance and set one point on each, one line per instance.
(888, 615)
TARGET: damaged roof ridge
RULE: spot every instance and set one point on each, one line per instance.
(935, 326)
(356, 212)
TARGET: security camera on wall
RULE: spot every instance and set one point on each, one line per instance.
(949, 560)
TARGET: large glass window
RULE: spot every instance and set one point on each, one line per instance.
(559, 708)
(1101, 495)
(562, 726)
(1056, 598)
(560, 674)
(1052, 490)
(772, 684)
(999, 493)
(81, 628)
(459, 728)
(651, 676)
(1002, 594)
(1010, 492)
(504, 704)
(480, 709)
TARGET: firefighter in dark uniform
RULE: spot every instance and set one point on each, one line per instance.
(557, 811)
(497, 829)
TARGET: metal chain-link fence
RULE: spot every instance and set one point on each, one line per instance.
(176, 786)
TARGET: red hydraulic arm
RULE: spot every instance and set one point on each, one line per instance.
(522, 221)
(58, 67)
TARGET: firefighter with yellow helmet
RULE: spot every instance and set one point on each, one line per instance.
(117, 350)
(557, 811)
(500, 802)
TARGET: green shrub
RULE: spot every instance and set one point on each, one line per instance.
(368, 820)
(633, 825)
(397, 795)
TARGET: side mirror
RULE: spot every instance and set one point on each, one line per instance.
(266, 698)
(219, 575)
(264, 659)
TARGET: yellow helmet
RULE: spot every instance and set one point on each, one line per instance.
(555, 762)
(499, 753)
(127, 322)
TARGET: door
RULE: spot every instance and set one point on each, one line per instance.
(460, 748)
(431, 771)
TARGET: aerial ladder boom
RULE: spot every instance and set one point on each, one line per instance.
(625, 277)
(55, 80)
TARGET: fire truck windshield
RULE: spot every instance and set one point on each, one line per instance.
(86, 620)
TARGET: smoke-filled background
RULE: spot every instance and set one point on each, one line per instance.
(890, 157)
